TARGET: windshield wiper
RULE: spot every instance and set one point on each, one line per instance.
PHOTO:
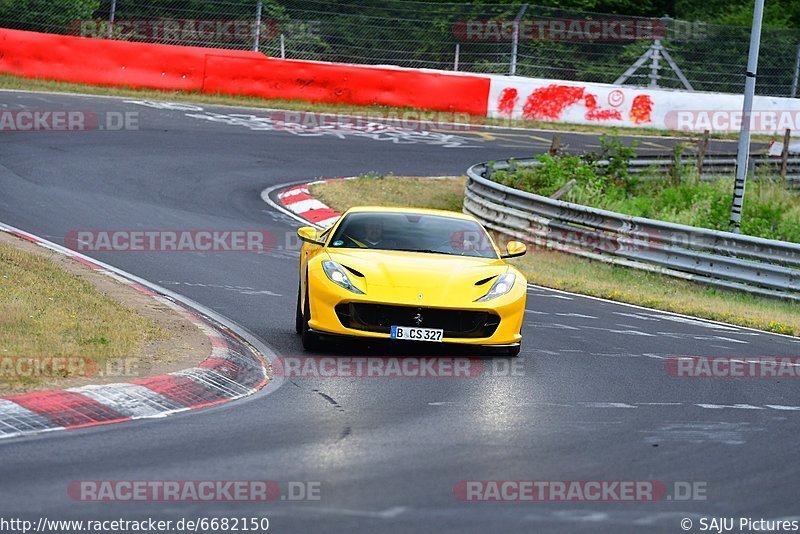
(424, 250)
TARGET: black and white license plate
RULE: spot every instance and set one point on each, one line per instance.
(413, 333)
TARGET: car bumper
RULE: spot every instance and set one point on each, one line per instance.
(325, 296)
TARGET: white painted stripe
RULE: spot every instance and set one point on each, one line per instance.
(292, 192)
(577, 315)
(551, 325)
(735, 406)
(696, 322)
(607, 405)
(306, 205)
(214, 381)
(627, 406)
(15, 419)
(636, 316)
(131, 400)
(615, 331)
(723, 338)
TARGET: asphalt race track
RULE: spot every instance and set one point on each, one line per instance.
(590, 401)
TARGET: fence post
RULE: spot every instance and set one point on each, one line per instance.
(512, 70)
(796, 72)
(702, 153)
(555, 144)
(743, 150)
(283, 47)
(654, 66)
(787, 138)
(257, 32)
(458, 52)
(111, 16)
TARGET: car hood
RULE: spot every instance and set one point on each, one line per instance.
(441, 279)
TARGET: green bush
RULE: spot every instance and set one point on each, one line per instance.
(770, 211)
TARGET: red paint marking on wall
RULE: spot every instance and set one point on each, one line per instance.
(550, 102)
(641, 109)
(595, 113)
(507, 101)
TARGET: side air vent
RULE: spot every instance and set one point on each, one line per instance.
(353, 271)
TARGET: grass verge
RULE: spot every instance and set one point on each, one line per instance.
(8, 81)
(53, 307)
(570, 273)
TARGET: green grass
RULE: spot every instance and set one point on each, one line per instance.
(571, 273)
(770, 210)
(440, 193)
(47, 311)
(8, 81)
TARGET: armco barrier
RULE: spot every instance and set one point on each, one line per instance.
(120, 63)
(760, 266)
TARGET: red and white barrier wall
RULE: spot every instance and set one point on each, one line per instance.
(610, 105)
(120, 63)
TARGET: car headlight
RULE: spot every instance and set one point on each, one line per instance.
(338, 276)
(500, 287)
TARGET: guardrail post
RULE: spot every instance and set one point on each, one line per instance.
(787, 137)
(701, 154)
(555, 144)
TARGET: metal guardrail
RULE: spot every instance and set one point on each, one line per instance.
(714, 166)
(761, 266)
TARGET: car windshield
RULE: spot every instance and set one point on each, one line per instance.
(413, 232)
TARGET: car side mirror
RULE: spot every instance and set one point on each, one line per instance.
(308, 234)
(515, 249)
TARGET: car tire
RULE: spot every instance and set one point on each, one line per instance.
(514, 351)
(298, 315)
(309, 339)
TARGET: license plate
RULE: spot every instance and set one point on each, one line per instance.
(413, 333)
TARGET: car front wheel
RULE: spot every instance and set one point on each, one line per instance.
(310, 339)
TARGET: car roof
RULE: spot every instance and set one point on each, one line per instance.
(415, 211)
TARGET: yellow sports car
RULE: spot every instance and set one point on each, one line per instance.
(409, 274)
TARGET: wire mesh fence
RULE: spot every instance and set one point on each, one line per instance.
(527, 40)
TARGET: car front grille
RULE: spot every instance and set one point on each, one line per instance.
(381, 317)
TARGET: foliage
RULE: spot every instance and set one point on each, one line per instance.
(592, 179)
(769, 210)
(44, 15)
